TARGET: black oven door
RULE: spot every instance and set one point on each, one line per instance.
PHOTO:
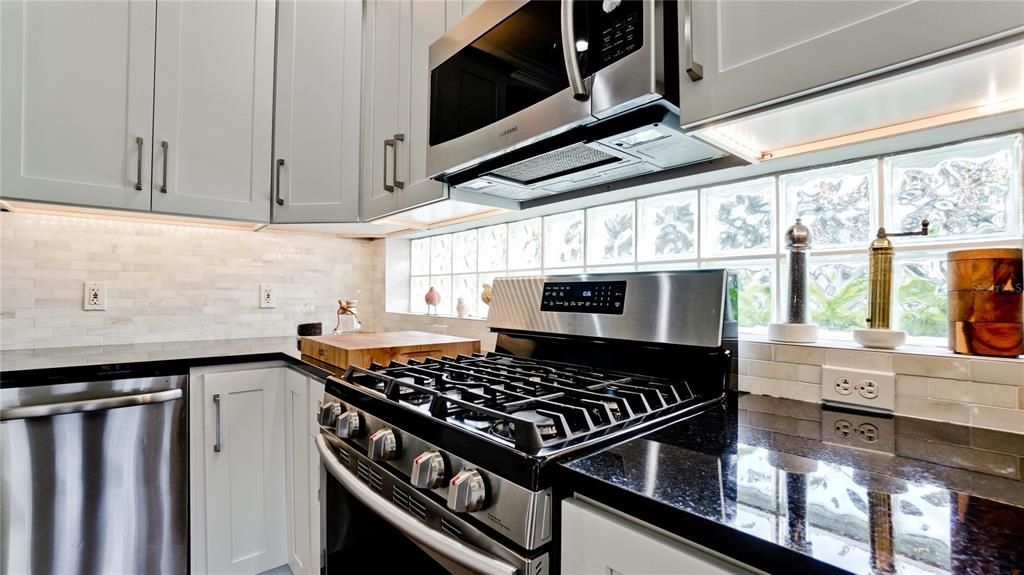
(366, 531)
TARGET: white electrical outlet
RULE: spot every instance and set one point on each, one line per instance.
(94, 296)
(871, 390)
(873, 432)
(268, 296)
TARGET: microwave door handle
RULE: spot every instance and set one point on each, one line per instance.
(572, 62)
(419, 532)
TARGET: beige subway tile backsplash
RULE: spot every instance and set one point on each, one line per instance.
(870, 360)
(931, 366)
(992, 371)
(973, 392)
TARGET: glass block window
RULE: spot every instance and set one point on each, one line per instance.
(970, 191)
(756, 291)
(919, 293)
(524, 244)
(668, 227)
(463, 252)
(836, 203)
(563, 240)
(610, 238)
(738, 219)
(837, 292)
(492, 247)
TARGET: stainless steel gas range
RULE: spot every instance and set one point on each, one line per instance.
(447, 464)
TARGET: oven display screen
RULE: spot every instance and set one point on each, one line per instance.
(584, 297)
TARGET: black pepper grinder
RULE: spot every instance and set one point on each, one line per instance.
(797, 328)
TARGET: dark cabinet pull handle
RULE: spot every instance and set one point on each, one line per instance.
(277, 183)
(389, 144)
(216, 438)
(167, 152)
(394, 165)
(138, 178)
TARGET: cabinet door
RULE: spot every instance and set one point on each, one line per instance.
(316, 120)
(456, 10)
(244, 477)
(595, 541)
(755, 52)
(213, 108)
(77, 96)
(382, 40)
(422, 24)
(297, 469)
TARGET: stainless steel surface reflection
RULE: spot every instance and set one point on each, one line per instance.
(94, 477)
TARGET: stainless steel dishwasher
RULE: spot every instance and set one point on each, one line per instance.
(94, 477)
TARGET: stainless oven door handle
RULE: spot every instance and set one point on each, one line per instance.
(572, 63)
(87, 405)
(410, 526)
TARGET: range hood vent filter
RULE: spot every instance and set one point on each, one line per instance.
(574, 158)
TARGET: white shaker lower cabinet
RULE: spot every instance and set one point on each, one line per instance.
(213, 108)
(77, 106)
(596, 541)
(302, 472)
(254, 470)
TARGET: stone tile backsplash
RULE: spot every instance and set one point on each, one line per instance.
(168, 282)
(985, 393)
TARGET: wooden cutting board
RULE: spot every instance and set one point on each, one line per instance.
(336, 352)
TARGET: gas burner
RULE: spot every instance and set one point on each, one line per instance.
(556, 403)
(545, 425)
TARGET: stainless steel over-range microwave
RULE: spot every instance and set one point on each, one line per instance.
(530, 98)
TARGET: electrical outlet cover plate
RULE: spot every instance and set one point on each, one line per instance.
(860, 388)
(94, 296)
(268, 296)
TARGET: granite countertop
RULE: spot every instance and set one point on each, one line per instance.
(769, 482)
(63, 365)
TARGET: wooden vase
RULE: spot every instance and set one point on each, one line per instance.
(986, 302)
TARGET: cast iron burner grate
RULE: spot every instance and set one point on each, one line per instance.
(526, 403)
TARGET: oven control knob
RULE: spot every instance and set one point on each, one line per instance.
(348, 424)
(467, 491)
(428, 470)
(383, 445)
(329, 413)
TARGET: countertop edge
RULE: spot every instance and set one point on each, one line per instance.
(147, 368)
(727, 541)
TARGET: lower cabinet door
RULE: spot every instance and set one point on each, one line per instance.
(244, 432)
(297, 471)
(596, 541)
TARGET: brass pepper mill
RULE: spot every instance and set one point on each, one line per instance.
(880, 276)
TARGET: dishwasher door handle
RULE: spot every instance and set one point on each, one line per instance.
(411, 527)
(87, 405)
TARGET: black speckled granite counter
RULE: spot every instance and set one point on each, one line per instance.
(772, 484)
(30, 367)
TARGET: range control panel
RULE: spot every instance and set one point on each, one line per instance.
(584, 297)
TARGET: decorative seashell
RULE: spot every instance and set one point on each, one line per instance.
(485, 295)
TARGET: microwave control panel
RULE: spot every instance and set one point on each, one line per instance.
(621, 31)
(584, 297)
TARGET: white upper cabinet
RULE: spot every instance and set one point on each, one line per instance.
(396, 81)
(381, 48)
(77, 101)
(316, 137)
(456, 10)
(755, 53)
(213, 108)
